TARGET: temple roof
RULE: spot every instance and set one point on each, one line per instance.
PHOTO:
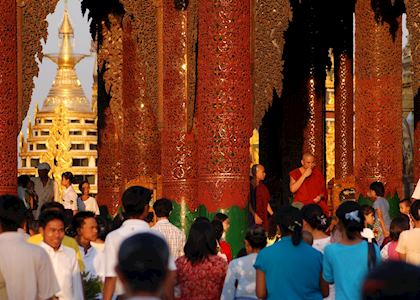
(66, 87)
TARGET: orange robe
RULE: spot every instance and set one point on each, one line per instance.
(312, 187)
(263, 198)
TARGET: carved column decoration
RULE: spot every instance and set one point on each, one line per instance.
(343, 90)
(34, 28)
(8, 97)
(313, 136)
(224, 105)
(178, 145)
(140, 93)
(378, 101)
(110, 116)
(271, 19)
(413, 25)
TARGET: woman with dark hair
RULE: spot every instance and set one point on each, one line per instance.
(69, 195)
(347, 262)
(398, 225)
(86, 202)
(316, 223)
(290, 269)
(240, 278)
(200, 271)
(224, 248)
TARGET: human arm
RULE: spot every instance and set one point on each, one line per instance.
(169, 285)
(382, 222)
(269, 209)
(296, 184)
(109, 287)
(260, 285)
(324, 287)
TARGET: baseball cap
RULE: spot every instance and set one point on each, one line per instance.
(43, 166)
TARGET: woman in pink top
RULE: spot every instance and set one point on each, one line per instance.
(398, 225)
(200, 272)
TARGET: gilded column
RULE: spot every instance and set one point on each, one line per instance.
(343, 105)
(178, 145)
(224, 109)
(8, 97)
(141, 158)
(378, 99)
(313, 136)
(413, 25)
(110, 117)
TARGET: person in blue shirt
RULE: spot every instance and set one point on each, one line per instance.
(290, 268)
(347, 262)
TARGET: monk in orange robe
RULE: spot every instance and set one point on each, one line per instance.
(308, 184)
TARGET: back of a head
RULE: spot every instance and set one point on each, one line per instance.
(220, 217)
(104, 227)
(289, 219)
(218, 229)
(12, 213)
(378, 187)
(53, 205)
(315, 217)
(415, 210)
(23, 180)
(69, 176)
(143, 263)
(254, 169)
(201, 241)
(367, 210)
(392, 280)
(256, 237)
(163, 208)
(134, 200)
(351, 217)
(398, 225)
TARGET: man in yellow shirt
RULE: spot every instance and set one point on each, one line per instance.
(67, 241)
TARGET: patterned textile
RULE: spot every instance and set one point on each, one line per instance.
(174, 236)
(203, 280)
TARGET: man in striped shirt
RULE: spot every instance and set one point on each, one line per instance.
(172, 234)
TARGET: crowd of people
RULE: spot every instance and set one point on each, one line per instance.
(72, 249)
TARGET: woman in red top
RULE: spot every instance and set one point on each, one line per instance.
(200, 271)
(224, 246)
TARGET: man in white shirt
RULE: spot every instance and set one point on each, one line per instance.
(143, 266)
(84, 223)
(45, 187)
(172, 234)
(26, 269)
(62, 258)
(135, 202)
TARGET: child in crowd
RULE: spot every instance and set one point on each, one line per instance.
(381, 205)
(398, 225)
(405, 209)
(347, 263)
(316, 223)
(373, 229)
(409, 242)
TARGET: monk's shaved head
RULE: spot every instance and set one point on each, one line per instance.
(307, 155)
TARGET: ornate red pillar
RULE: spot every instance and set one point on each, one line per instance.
(224, 112)
(141, 141)
(413, 21)
(313, 135)
(343, 90)
(8, 97)
(224, 106)
(110, 115)
(178, 145)
(378, 100)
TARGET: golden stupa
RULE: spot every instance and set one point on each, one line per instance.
(64, 133)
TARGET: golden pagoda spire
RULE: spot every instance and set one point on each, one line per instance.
(66, 88)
